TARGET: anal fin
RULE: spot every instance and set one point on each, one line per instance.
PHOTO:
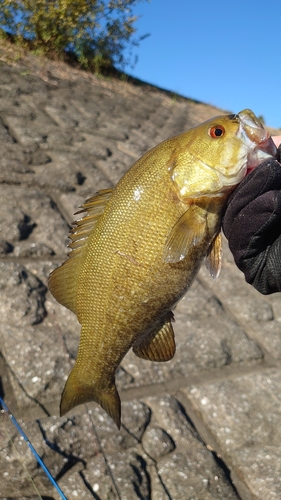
(161, 347)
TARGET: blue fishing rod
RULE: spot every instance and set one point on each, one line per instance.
(38, 458)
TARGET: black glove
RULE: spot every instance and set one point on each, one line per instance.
(252, 225)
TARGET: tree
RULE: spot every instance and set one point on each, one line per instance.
(96, 32)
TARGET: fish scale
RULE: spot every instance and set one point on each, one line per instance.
(138, 247)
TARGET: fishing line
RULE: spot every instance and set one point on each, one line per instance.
(89, 412)
(38, 458)
(22, 463)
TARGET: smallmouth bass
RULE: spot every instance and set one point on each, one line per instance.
(138, 247)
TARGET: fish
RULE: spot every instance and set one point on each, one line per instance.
(137, 248)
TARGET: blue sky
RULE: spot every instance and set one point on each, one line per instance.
(224, 53)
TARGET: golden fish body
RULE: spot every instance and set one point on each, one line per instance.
(139, 246)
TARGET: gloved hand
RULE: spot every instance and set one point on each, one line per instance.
(252, 225)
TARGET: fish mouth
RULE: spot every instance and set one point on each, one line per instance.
(256, 133)
(252, 126)
(262, 152)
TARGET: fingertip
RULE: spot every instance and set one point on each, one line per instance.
(277, 140)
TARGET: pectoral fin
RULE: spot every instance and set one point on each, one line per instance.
(214, 256)
(161, 347)
(189, 230)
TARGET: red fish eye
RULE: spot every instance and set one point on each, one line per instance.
(216, 131)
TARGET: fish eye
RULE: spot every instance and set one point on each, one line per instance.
(216, 131)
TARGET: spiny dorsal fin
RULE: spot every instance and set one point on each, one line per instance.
(63, 280)
(92, 209)
(161, 347)
(188, 231)
(214, 256)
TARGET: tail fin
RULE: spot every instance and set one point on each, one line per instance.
(75, 393)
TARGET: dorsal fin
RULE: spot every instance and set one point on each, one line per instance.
(63, 280)
(92, 209)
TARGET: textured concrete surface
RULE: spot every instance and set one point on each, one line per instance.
(205, 425)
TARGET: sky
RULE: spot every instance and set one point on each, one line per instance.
(223, 53)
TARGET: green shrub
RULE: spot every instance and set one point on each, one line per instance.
(95, 32)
